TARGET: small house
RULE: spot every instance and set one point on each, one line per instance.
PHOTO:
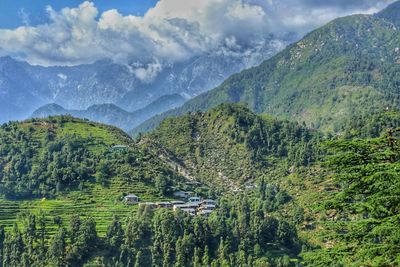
(185, 208)
(207, 207)
(190, 211)
(204, 212)
(180, 206)
(131, 199)
(193, 205)
(182, 194)
(194, 200)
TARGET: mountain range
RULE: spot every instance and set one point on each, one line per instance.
(25, 88)
(344, 69)
(112, 114)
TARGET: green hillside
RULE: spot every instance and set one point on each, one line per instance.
(347, 67)
(66, 166)
(312, 200)
(341, 194)
(230, 145)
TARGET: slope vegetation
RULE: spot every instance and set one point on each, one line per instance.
(230, 145)
(347, 67)
(65, 166)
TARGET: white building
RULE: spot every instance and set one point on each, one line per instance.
(131, 199)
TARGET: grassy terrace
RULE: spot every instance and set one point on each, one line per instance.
(99, 202)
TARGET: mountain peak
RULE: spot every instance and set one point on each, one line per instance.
(391, 13)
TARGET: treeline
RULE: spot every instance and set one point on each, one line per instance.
(241, 232)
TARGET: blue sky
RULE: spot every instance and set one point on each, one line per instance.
(16, 13)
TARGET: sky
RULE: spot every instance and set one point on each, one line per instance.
(147, 34)
(16, 13)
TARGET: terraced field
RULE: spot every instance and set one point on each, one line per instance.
(130, 172)
(99, 202)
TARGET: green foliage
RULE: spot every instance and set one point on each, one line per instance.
(231, 143)
(159, 238)
(368, 172)
(43, 158)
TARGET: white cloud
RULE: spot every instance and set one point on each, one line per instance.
(172, 31)
(148, 73)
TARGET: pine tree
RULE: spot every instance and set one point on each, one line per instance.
(74, 227)
(114, 236)
(42, 238)
(30, 239)
(197, 257)
(206, 257)
(13, 248)
(180, 254)
(56, 253)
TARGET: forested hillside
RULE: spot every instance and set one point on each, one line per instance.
(65, 166)
(62, 186)
(42, 158)
(340, 191)
(345, 68)
(230, 145)
(308, 201)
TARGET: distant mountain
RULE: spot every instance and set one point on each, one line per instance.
(24, 88)
(112, 114)
(349, 67)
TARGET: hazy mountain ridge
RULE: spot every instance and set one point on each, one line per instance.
(112, 114)
(25, 87)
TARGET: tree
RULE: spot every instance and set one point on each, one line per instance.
(114, 236)
(74, 227)
(13, 248)
(84, 243)
(206, 257)
(56, 252)
(30, 239)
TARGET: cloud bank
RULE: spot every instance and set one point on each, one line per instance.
(172, 31)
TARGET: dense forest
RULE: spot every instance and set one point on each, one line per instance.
(239, 233)
(315, 200)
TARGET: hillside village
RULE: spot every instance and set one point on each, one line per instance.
(194, 205)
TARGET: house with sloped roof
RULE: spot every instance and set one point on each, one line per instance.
(131, 199)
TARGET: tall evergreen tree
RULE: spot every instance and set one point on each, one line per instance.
(56, 253)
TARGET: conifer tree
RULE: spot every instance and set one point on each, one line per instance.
(56, 252)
